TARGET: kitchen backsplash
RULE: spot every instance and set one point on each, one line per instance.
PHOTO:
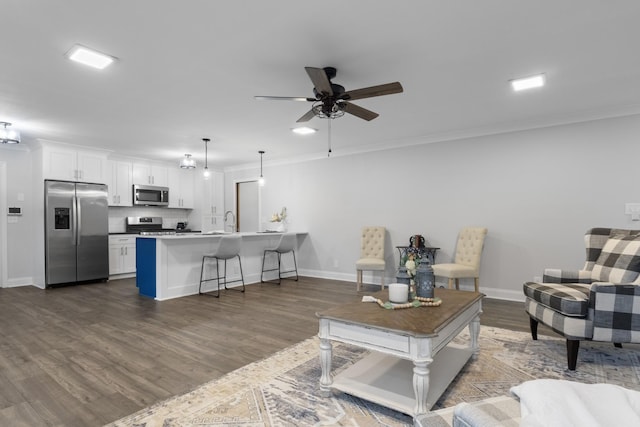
(118, 216)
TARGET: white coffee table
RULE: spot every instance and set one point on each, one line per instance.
(413, 360)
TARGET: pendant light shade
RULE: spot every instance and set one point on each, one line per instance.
(261, 179)
(188, 162)
(206, 172)
(8, 136)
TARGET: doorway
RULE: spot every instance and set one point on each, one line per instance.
(248, 205)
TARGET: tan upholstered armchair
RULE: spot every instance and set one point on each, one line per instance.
(371, 253)
(467, 260)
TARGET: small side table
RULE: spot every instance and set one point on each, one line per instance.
(429, 251)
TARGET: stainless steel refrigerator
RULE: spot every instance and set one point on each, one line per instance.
(76, 232)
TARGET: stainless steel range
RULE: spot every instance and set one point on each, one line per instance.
(147, 226)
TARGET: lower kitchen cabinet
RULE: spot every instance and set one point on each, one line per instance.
(122, 255)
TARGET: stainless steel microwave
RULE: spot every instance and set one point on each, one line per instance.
(150, 195)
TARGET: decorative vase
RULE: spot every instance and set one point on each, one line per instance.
(425, 279)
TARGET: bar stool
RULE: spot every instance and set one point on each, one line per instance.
(286, 244)
(228, 248)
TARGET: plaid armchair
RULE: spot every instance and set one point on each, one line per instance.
(601, 302)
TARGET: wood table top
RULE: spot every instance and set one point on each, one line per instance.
(415, 321)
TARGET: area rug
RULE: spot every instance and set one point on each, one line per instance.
(283, 389)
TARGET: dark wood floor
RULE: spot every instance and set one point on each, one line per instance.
(90, 354)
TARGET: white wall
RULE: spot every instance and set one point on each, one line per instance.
(537, 191)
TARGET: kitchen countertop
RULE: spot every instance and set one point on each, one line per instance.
(216, 234)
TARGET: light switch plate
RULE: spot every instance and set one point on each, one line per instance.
(632, 208)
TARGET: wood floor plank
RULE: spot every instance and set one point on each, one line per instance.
(90, 354)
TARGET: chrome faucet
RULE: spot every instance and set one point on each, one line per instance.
(233, 217)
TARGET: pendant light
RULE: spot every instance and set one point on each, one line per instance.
(261, 180)
(8, 136)
(206, 172)
(187, 162)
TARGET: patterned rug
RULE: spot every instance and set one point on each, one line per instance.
(282, 390)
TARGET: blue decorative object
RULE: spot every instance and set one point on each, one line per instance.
(402, 276)
(425, 279)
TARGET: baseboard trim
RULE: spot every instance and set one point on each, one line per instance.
(369, 279)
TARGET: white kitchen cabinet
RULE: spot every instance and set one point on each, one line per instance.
(70, 164)
(150, 174)
(122, 254)
(181, 188)
(213, 203)
(120, 182)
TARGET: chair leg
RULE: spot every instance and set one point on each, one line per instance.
(218, 275)
(201, 271)
(217, 278)
(241, 276)
(572, 353)
(273, 269)
(450, 283)
(382, 280)
(457, 284)
(295, 264)
(476, 284)
(264, 255)
(358, 280)
(279, 268)
(533, 325)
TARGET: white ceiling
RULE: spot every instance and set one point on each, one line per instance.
(190, 69)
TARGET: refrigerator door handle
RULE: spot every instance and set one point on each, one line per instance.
(74, 223)
(78, 228)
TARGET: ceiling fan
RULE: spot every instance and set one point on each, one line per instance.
(332, 101)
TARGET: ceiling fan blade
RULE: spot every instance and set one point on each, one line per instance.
(358, 111)
(284, 98)
(308, 116)
(320, 80)
(369, 92)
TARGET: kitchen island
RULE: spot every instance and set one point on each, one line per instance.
(168, 266)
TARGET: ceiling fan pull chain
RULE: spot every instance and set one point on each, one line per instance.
(329, 152)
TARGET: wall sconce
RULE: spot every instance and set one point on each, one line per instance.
(8, 136)
(261, 180)
(187, 162)
(206, 172)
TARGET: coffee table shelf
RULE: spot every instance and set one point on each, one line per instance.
(388, 380)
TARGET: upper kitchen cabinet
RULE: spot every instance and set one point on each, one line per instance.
(181, 188)
(69, 164)
(150, 174)
(120, 183)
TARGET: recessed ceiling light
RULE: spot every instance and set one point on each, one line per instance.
(528, 82)
(303, 130)
(89, 57)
